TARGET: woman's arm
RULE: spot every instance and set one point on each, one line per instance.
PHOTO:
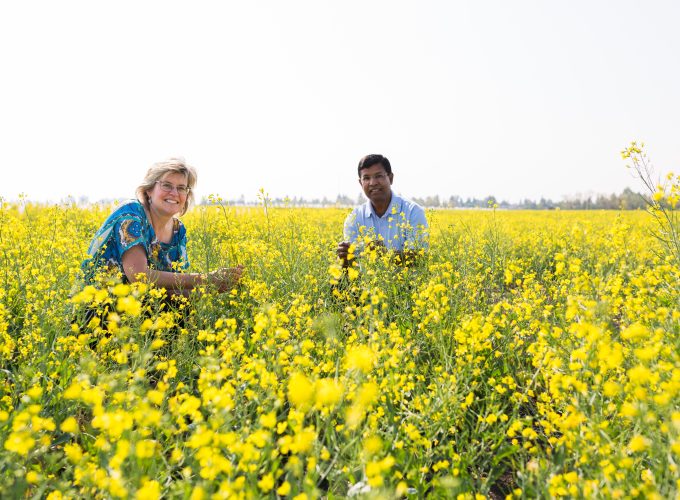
(135, 263)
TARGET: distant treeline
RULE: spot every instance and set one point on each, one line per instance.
(627, 200)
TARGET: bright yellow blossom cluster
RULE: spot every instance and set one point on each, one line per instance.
(526, 354)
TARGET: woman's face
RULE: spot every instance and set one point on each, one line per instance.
(169, 195)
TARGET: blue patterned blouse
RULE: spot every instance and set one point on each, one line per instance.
(127, 227)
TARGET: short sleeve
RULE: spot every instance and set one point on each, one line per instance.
(351, 229)
(183, 259)
(418, 232)
(129, 231)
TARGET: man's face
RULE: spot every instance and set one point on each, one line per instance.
(377, 184)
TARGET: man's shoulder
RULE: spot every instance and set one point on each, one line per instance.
(410, 205)
(359, 212)
(413, 213)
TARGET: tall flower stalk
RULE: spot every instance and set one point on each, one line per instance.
(661, 196)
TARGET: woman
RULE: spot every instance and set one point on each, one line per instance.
(144, 238)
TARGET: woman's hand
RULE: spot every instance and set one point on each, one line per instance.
(226, 278)
(135, 264)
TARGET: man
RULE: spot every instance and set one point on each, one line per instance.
(387, 219)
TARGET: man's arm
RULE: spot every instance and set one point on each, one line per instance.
(416, 238)
(418, 234)
(350, 232)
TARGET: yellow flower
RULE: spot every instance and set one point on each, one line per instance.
(611, 389)
(675, 418)
(367, 394)
(468, 400)
(176, 455)
(145, 448)
(114, 423)
(646, 353)
(73, 452)
(121, 290)
(675, 447)
(638, 443)
(335, 271)
(303, 441)
(354, 416)
(150, 490)
(491, 418)
(635, 331)
(628, 409)
(129, 305)
(259, 438)
(20, 442)
(284, 489)
(266, 483)
(155, 396)
(69, 425)
(198, 493)
(35, 392)
(300, 391)
(372, 445)
(268, 420)
(360, 358)
(73, 391)
(328, 392)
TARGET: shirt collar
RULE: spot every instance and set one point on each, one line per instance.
(396, 200)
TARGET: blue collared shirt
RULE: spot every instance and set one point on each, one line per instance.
(402, 226)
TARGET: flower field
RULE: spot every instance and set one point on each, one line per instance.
(527, 354)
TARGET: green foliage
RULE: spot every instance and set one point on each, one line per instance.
(525, 354)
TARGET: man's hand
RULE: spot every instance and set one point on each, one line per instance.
(343, 252)
(377, 245)
(406, 257)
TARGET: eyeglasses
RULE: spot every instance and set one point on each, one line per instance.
(365, 179)
(168, 187)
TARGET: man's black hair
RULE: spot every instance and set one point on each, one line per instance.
(370, 160)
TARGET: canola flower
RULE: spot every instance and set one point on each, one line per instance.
(525, 354)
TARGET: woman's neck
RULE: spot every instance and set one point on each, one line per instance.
(162, 225)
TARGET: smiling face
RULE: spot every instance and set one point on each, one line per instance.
(377, 185)
(165, 199)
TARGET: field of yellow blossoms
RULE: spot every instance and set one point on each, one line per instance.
(527, 354)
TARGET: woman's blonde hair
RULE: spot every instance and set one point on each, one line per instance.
(156, 173)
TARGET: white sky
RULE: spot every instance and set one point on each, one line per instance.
(516, 99)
